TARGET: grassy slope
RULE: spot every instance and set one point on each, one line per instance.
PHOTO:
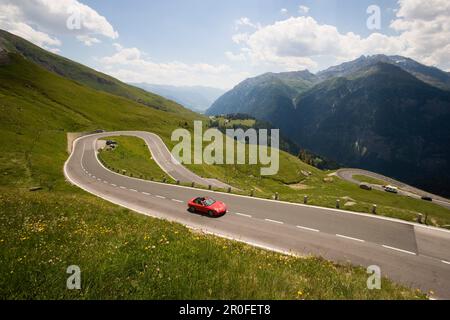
(42, 233)
(132, 155)
(87, 76)
(125, 255)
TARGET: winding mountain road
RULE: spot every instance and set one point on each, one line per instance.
(412, 254)
(404, 189)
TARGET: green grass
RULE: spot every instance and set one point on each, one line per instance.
(43, 232)
(133, 156)
(363, 178)
(123, 255)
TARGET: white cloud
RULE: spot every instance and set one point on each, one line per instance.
(284, 11)
(246, 22)
(303, 9)
(424, 28)
(41, 21)
(132, 65)
(240, 38)
(10, 20)
(235, 57)
(423, 33)
(54, 50)
(87, 40)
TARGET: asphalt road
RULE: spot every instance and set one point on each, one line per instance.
(404, 189)
(412, 254)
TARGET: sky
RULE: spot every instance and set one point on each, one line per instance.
(220, 43)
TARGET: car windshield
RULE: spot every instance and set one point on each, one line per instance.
(208, 202)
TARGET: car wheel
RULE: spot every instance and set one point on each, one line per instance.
(191, 209)
(211, 213)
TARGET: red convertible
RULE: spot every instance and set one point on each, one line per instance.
(207, 206)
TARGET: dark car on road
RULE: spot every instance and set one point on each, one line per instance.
(365, 186)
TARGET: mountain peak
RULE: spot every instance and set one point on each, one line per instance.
(428, 74)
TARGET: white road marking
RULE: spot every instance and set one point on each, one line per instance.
(114, 185)
(349, 238)
(243, 214)
(397, 249)
(121, 187)
(104, 181)
(309, 229)
(446, 262)
(93, 177)
(134, 190)
(176, 200)
(146, 193)
(161, 197)
(274, 221)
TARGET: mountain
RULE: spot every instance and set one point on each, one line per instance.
(84, 75)
(262, 95)
(430, 75)
(373, 113)
(196, 98)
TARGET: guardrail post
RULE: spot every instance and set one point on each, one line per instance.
(305, 199)
(209, 187)
(277, 197)
(338, 204)
(374, 209)
(193, 184)
(252, 193)
(229, 189)
(164, 180)
(178, 182)
(426, 218)
(419, 218)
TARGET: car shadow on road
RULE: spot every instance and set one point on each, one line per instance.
(205, 214)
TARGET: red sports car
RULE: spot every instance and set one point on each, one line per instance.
(207, 206)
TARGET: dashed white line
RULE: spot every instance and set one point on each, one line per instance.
(274, 221)
(114, 185)
(309, 229)
(146, 193)
(121, 187)
(133, 190)
(161, 197)
(446, 262)
(106, 182)
(397, 249)
(176, 200)
(243, 214)
(349, 238)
